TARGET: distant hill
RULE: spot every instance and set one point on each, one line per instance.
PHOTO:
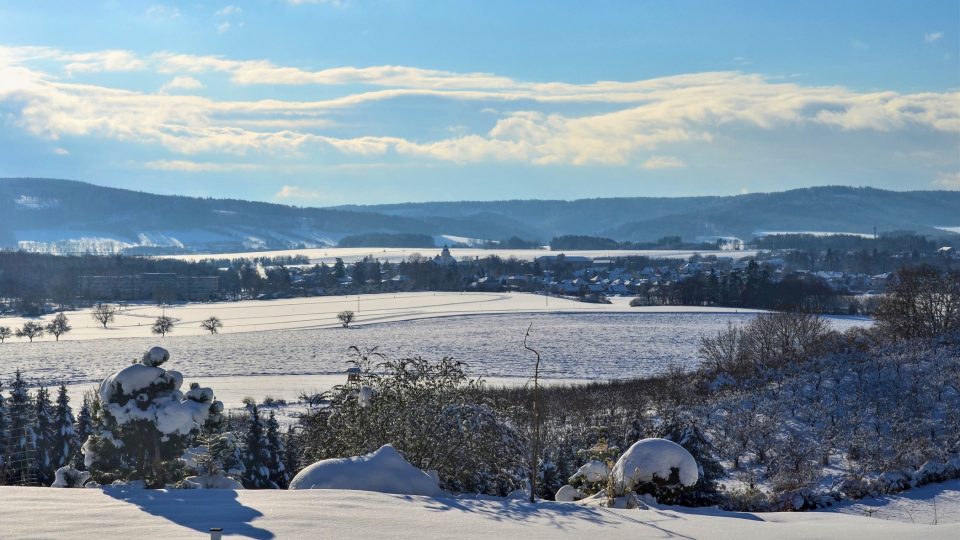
(69, 216)
(826, 209)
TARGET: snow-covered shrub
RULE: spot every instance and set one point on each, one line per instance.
(592, 472)
(383, 471)
(68, 477)
(211, 481)
(659, 467)
(567, 493)
(431, 412)
(146, 423)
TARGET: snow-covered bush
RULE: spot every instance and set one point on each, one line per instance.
(592, 471)
(146, 423)
(210, 481)
(659, 467)
(68, 477)
(383, 471)
(431, 412)
(567, 493)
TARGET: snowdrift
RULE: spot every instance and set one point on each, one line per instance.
(383, 471)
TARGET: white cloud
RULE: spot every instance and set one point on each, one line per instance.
(663, 162)
(932, 37)
(223, 27)
(859, 45)
(949, 181)
(181, 82)
(61, 151)
(642, 116)
(305, 2)
(109, 61)
(227, 11)
(162, 11)
(197, 166)
(297, 193)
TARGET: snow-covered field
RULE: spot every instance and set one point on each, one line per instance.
(349, 255)
(595, 346)
(280, 348)
(268, 514)
(321, 311)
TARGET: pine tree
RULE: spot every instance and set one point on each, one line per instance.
(218, 454)
(20, 432)
(275, 447)
(65, 434)
(83, 429)
(256, 456)
(3, 435)
(706, 491)
(291, 458)
(146, 422)
(44, 435)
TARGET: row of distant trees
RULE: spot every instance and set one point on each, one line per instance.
(103, 314)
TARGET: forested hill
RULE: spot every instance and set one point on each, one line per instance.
(829, 209)
(70, 216)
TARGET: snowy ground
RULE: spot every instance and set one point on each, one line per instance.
(268, 514)
(931, 504)
(349, 255)
(321, 311)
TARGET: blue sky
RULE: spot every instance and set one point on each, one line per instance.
(358, 101)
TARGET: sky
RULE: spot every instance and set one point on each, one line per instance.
(323, 102)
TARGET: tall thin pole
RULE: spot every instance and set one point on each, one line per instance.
(535, 446)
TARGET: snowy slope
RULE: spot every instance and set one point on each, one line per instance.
(116, 513)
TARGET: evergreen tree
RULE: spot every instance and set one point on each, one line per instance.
(65, 435)
(291, 457)
(256, 456)
(146, 423)
(3, 434)
(83, 429)
(219, 454)
(20, 432)
(43, 433)
(706, 491)
(275, 446)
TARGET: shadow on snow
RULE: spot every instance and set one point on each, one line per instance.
(199, 510)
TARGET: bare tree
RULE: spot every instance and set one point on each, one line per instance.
(345, 317)
(924, 303)
(30, 330)
(212, 325)
(162, 326)
(59, 326)
(535, 420)
(103, 313)
(5, 333)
